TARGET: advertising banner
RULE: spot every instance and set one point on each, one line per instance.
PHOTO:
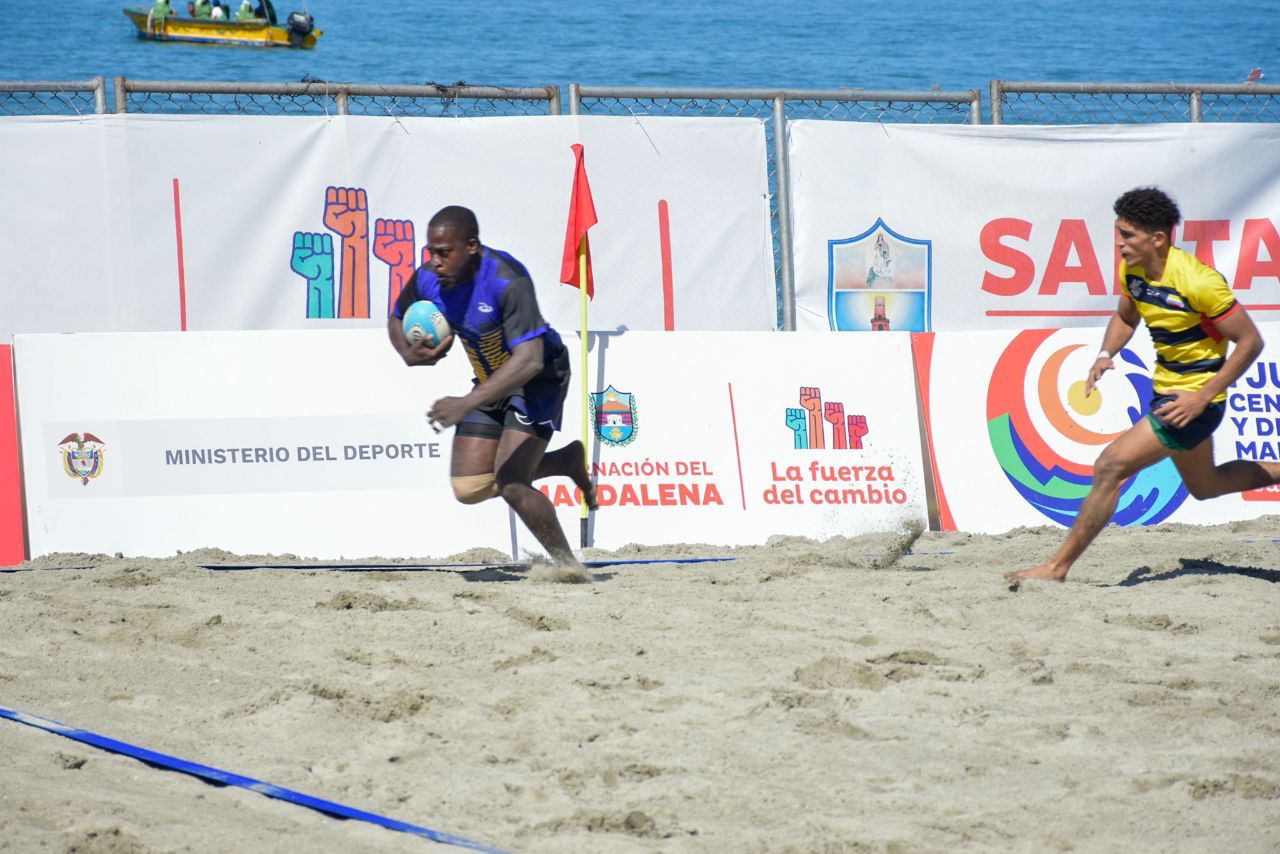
(733, 438)
(1014, 438)
(296, 222)
(311, 443)
(315, 443)
(947, 228)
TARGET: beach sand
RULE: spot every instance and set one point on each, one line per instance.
(864, 695)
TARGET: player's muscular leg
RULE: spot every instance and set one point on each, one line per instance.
(1136, 449)
(346, 213)
(516, 466)
(472, 455)
(471, 468)
(569, 461)
(1205, 480)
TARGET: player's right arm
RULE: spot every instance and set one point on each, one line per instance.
(412, 352)
(1119, 330)
(415, 352)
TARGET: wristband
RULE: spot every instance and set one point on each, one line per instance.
(1103, 354)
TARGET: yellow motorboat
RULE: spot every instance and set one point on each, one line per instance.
(299, 30)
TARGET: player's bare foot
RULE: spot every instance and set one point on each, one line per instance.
(582, 478)
(1043, 572)
(562, 571)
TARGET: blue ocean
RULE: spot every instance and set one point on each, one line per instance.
(707, 43)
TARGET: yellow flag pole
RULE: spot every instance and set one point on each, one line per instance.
(586, 435)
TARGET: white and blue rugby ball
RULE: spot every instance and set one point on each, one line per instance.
(423, 319)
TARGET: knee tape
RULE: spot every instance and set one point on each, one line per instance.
(475, 488)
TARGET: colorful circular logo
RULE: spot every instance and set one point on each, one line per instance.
(1046, 433)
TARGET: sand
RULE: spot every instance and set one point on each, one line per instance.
(842, 696)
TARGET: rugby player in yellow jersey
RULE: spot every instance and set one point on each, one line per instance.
(1192, 315)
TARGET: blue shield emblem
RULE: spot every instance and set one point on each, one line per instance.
(880, 281)
(613, 413)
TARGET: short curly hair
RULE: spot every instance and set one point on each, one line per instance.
(456, 216)
(1149, 208)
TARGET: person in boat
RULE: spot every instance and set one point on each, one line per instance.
(245, 12)
(218, 12)
(203, 9)
(266, 10)
(162, 10)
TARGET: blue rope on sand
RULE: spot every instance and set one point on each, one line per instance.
(227, 778)
(446, 567)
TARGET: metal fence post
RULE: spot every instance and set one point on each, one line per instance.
(781, 173)
(575, 98)
(99, 95)
(553, 101)
(1196, 105)
(341, 101)
(975, 107)
(122, 99)
(996, 98)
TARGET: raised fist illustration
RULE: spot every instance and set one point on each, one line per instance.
(796, 420)
(346, 213)
(312, 259)
(393, 241)
(857, 429)
(834, 415)
(811, 399)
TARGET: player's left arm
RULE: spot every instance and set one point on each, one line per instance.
(1246, 344)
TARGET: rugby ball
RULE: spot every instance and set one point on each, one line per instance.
(424, 319)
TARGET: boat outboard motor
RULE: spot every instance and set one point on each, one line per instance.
(300, 25)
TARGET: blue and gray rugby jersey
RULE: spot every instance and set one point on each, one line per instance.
(491, 315)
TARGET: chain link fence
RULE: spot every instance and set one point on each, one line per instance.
(52, 97)
(319, 98)
(1131, 103)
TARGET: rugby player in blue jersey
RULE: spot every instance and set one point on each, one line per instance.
(521, 366)
(1192, 315)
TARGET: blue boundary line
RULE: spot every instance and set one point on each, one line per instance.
(657, 560)
(227, 778)
(446, 567)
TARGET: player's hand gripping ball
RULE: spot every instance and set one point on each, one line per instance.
(424, 320)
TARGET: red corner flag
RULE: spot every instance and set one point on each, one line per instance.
(582, 215)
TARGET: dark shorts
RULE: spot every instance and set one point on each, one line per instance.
(1184, 438)
(489, 422)
(536, 409)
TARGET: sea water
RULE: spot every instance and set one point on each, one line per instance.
(947, 45)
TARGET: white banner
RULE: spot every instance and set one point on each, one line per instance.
(957, 227)
(314, 443)
(280, 222)
(733, 438)
(1014, 439)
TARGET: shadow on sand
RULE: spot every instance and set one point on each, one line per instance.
(1197, 566)
(500, 575)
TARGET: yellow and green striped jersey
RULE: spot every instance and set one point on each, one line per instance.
(1180, 310)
